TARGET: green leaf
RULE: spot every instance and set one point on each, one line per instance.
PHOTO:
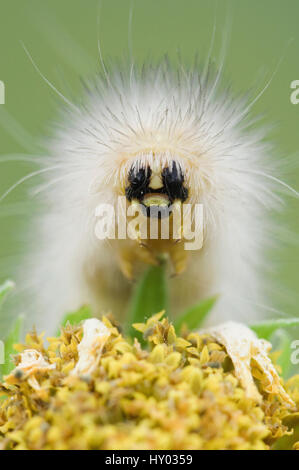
(266, 329)
(287, 442)
(14, 337)
(5, 289)
(282, 341)
(74, 318)
(150, 297)
(195, 315)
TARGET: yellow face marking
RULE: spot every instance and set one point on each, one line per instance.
(156, 181)
(155, 200)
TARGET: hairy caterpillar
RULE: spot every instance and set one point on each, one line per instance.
(182, 137)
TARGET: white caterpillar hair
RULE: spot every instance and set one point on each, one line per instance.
(157, 114)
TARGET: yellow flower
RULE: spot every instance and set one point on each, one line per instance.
(173, 393)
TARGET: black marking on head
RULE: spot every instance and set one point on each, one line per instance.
(173, 182)
(139, 181)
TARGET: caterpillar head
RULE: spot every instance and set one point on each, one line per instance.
(156, 188)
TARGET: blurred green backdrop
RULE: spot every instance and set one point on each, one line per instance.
(61, 35)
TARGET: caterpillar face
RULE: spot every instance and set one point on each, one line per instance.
(156, 189)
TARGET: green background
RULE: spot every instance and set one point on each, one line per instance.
(61, 35)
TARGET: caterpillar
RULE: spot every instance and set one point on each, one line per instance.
(156, 136)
